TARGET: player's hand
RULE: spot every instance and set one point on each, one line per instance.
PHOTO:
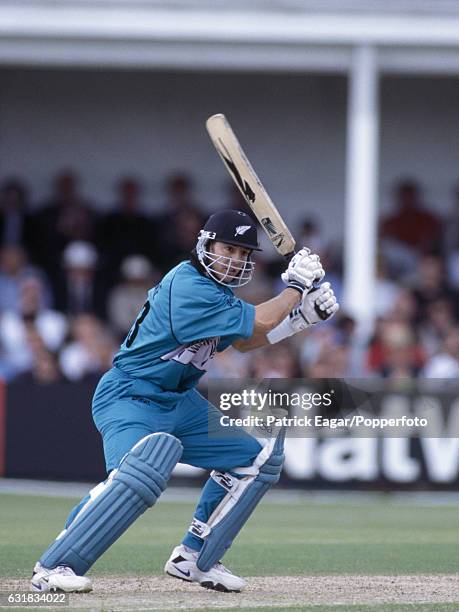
(303, 271)
(315, 306)
(318, 305)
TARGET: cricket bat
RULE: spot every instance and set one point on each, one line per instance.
(245, 177)
(256, 196)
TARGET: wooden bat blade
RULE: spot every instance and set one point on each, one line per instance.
(245, 177)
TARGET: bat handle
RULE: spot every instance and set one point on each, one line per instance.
(320, 313)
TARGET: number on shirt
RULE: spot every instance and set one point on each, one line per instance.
(135, 329)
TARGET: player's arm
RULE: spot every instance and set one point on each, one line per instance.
(303, 271)
(322, 300)
(267, 316)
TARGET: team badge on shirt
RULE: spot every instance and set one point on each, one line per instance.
(198, 354)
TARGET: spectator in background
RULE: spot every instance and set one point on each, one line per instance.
(439, 321)
(45, 368)
(399, 354)
(452, 223)
(126, 230)
(446, 363)
(15, 222)
(187, 224)
(126, 299)
(79, 288)
(386, 291)
(412, 229)
(316, 342)
(330, 363)
(279, 361)
(404, 307)
(375, 350)
(431, 284)
(235, 200)
(14, 267)
(451, 244)
(229, 364)
(312, 237)
(179, 189)
(330, 253)
(90, 350)
(182, 214)
(330, 351)
(63, 219)
(32, 320)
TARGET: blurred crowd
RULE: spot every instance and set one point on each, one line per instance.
(73, 276)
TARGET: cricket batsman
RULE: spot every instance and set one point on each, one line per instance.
(151, 416)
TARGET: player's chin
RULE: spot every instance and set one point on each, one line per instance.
(234, 274)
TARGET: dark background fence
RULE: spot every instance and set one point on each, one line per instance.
(50, 433)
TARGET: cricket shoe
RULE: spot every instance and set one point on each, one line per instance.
(61, 578)
(182, 564)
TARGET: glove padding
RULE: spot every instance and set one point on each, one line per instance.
(315, 306)
(303, 271)
(318, 305)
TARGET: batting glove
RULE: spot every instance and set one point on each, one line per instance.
(303, 271)
(315, 306)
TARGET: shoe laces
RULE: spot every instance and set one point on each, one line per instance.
(189, 551)
(65, 570)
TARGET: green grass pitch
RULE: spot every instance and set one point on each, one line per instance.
(280, 539)
(380, 537)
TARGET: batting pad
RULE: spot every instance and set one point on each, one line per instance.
(135, 486)
(243, 495)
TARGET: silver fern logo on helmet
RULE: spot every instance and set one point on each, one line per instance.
(241, 229)
(230, 272)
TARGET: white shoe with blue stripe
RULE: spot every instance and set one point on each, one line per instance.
(182, 564)
(61, 579)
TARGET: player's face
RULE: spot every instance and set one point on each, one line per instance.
(237, 254)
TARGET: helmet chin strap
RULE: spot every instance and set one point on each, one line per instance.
(208, 259)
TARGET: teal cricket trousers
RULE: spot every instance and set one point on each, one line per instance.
(126, 410)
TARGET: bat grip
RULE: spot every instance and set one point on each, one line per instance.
(321, 314)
